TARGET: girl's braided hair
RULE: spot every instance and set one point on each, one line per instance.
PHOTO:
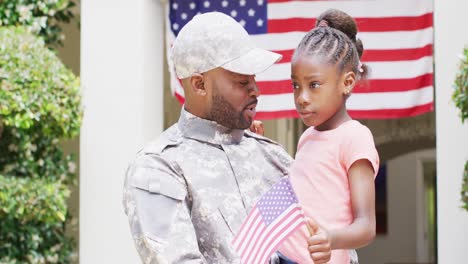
(334, 38)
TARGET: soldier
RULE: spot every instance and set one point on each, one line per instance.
(187, 193)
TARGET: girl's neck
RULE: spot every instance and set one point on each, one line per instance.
(335, 121)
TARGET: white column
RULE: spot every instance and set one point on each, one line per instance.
(450, 22)
(122, 77)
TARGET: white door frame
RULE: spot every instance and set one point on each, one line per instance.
(421, 212)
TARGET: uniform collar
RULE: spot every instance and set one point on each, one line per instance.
(209, 131)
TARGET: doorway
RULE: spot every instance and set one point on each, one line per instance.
(427, 211)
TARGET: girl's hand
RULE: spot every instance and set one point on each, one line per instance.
(319, 243)
(257, 127)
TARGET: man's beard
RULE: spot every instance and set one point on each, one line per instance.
(226, 115)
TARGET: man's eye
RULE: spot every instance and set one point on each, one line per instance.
(244, 83)
(295, 86)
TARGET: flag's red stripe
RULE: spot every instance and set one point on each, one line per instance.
(253, 239)
(241, 232)
(287, 55)
(392, 113)
(255, 215)
(298, 220)
(275, 87)
(253, 244)
(378, 55)
(373, 86)
(395, 85)
(266, 243)
(258, 243)
(277, 114)
(180, 98)
(368, 24)
(397, 54)
(357, 114)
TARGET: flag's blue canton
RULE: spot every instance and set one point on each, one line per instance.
(252, 14)
(276, 201)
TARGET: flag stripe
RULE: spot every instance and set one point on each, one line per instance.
(250, 241)
(255, 242)
(390, 100)
(372, 40)
(252, 245)
(359, 101)
(374, 85)
(395, 85)
(392, 113)
(358, 114)
(377, 55)
(244, 232)
(295, 224)
(253, 233)
(379, 70)
(247, 222)
(287, 224)
(179, 98)
(275, 226)
(397, 54)
(382, 8)
(364, 24)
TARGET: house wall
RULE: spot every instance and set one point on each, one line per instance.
(399, 245)
(115, 127)
(451, 36)
(122, 80)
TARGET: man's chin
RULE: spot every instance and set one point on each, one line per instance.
(246, 123)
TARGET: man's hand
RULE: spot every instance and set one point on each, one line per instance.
(319, 243)
(257, 127)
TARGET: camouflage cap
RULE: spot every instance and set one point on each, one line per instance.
(214, 40)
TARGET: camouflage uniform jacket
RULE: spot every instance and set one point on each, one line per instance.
(187, 193)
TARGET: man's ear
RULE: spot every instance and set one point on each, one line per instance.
(197, 84)
(348, 81)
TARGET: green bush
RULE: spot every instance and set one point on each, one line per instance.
(460, 94)
(460, 98)
(32, 213)
(41, 17)
(39, 105)
(464, 191)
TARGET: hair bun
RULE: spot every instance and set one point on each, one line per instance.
(323, 23)
(343, 22)
(359, 47)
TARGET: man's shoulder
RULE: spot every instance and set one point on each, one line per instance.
(259, 138)
(153, 155)
(267, 143)
(171, 137)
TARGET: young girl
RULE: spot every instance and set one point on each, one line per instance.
(336, 161)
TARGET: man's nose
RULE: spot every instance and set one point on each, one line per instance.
(254, 90)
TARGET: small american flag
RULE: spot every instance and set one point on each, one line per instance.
(275, 216)
(397, 37)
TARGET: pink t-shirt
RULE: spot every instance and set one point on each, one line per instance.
(319, 176)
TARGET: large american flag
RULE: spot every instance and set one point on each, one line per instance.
(275, 216)
(397, 37)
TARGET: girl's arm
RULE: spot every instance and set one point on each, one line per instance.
(362, 231)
